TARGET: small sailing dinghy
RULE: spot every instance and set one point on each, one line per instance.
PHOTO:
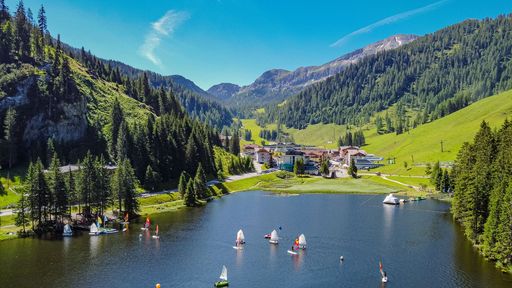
(146, 224)
(93, 230)
(382, 273)
(295, 247)
(67, 231)
(274, 239)
(302, 241)
(126, 219)
(240, 240)
(223, 282)
(391, 200)
(156, 236)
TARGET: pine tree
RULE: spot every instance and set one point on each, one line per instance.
(22, 213)
(4, 12)
(122, 143)
(200, 183)
(9, 133)
(149, 179)
(116, 119)
(58, 188)
(182, 186)
(190, 194)
(22, 34)
(352, 169)
(41, 21)
(191, 155)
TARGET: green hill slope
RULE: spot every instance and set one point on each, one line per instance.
(424, 142)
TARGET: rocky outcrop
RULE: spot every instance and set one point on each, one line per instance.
(223, 91)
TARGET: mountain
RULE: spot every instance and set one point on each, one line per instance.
(431, 77)
(188, 84)
(277, 84)
(223, 91)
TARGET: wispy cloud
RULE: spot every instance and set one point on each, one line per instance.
(163, 28)
(388, 20)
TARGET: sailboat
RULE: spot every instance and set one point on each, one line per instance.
(93, 230)
(156, 236)
(382, 273)
(240, 239)
(146, 224)
(392, 200)
(126, 219)
(274, 239)
(302, 241)
(295, 247)
(67, 231)
(223, 282)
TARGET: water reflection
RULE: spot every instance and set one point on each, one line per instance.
(66, 243)
(273, 252)
(389, 211)
(239, 257)
(94, 242)
(298, 260)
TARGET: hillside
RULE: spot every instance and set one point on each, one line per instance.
(275, 85)
(424, 142)
(437, 74)
(195, 100)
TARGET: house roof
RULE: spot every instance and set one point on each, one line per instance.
(262, 150)
(251, 146)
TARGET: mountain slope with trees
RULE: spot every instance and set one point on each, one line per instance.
(435, 75)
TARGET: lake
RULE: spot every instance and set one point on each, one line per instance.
(419, 244)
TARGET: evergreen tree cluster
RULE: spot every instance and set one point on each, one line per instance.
(247, 135)
(228, 164)
(269, 135)
(355, 139)
(442, 179)
(434, 75)
(51, 193)
(482, 200)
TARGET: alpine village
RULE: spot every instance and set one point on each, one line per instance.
(394, 160)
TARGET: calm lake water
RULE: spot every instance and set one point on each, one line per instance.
(419, 245)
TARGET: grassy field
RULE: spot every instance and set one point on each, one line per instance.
(424, 143)
(321, 135)
(365, 184)
(250, 124)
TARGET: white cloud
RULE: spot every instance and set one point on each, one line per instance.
(388, 20)
(164, 27)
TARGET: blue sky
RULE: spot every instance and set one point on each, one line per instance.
(214, 41)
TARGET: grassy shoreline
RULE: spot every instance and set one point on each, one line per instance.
(267, 182)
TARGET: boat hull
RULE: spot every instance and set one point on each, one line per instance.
(292, 252)
(67, 234)
(273, 242)
(221, 284)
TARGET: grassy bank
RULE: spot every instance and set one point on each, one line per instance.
(365, 184)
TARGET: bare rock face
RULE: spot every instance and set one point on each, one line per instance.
(277, 84)
(66, 122)
(71, 126)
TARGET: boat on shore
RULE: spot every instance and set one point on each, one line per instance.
(223, 282)
(391, 200)
(94, 230)
(68, 232)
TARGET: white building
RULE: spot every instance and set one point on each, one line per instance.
(263, 156)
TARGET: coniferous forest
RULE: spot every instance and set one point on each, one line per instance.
(434, 75)
(482, 200)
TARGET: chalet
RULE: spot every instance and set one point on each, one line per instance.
(250, 150)
(263, 156)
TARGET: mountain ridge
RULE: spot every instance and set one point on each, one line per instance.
(275, 85)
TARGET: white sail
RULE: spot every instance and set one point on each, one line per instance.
(273, 236)
(240, 236)
(67, 229)
(302, 241)
(390, 199)
(224, 273)
(93, 228)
